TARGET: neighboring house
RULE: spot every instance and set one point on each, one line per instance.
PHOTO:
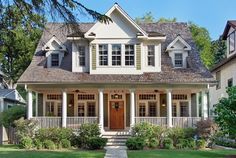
(117, 74)
(224, 72)
(8, 98)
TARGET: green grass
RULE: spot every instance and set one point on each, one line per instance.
(11, 151)
(180, 153)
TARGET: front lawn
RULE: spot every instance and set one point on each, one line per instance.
(11, 151)
(181, 153)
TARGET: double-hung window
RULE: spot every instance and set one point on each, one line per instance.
(116, 55)
(142, 109)
(91, 109)
(231, 38)
(184, 112)
(129, 55)
(218, 79)
(151, 55)
(103, 54)
(81, 56)
(152, 109)
(55, 60)
(178, 60)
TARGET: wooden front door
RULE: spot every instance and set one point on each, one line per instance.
(116, 115)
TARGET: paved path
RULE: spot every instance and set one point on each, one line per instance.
(116, 152)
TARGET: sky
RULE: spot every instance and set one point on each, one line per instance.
(211, 14)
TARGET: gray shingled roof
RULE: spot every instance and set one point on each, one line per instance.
(195, 73)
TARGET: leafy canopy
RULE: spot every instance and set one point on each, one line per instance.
(225, 112)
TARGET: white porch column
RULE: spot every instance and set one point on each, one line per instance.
(64, 108)
(29, 105)
(36, 104)
(197, 104)
(204, 105)
(101, 107)
(132, 107)
(169, 108)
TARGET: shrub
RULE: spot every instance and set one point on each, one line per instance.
(186, 144)
(189, 132)
(65, 143)
(144, 130)
(26, 142)
(96, 143)
(7, 117)
(38, 144)
(201, 144)
(153, 143)
(48, 144)
(168, 143)
(135, 143)
(175, 134)
(206, 129)
(86, 132)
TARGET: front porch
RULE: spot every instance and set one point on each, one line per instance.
(117, 109)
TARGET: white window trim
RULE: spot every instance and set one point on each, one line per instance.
(178, 59)
(154, 55)
(78, 56)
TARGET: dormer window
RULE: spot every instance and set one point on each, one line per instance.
(178, 60)
(81, 56)
(54, 60)
(151, 55)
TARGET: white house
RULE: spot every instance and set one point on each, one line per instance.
(117, 74)
(224, 72)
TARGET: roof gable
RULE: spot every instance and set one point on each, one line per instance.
(178, 44)
(230, 23)
(54, 44)
(119, 19)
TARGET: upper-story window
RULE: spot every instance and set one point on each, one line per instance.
(54, 60)
(103, 54)
(178, 60)
(151, 55)
(218, 79)
(231, 42)
(116, 55)
(129, 55)
(81, 56)
(230, 82)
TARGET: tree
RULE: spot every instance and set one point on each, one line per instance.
(162, 19)
(218, 48)
(202, 39)
(67, 10)
(225, 112)
(146, 18)
(19, 36)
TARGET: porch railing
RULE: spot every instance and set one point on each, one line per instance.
(48, 122)
(182, 122)
(161, 121)
(75, 122)
(185, 122)
(72, 122)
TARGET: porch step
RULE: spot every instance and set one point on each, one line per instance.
(115, 144)
(116, 138)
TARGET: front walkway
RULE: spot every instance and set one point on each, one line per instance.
(116, 152)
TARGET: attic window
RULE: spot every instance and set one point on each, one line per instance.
(55, 60)
(178, 60)
(47, 47)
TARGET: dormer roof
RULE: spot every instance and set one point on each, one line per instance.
(171, 46)
(54, 44)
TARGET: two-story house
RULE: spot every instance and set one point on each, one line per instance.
(224, 72)
(117, 74)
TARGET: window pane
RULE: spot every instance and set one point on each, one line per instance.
(231, 42)
(151, 55)
(116, 54)
(230, 82)
(80, 109)
(129, 54)
(81, 57)
(91, 109)
(178, 60)
(103, 54)
(174, 110)
(218, 79)
(59, 109)
(184, 109)
(152, 109)
(142, 110)
(54, 59)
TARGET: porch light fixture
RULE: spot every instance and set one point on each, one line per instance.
(163, 103)
(116, 96)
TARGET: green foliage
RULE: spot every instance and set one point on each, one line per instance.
(25, 128)
(186, 144)
(201, 144)
(8, 116)
(54, 134)
(189, 132)
(153, 143)
(38, 144)
(96, 142)
(146, 18)
(26, 142)
(162, 19)
(144, 130)
(225, 112)
(48, 144)
(65, 143)
(168, 143)
(202, 39)
(135, 143)
(218, 48)
(226, 143)
(175, 134)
